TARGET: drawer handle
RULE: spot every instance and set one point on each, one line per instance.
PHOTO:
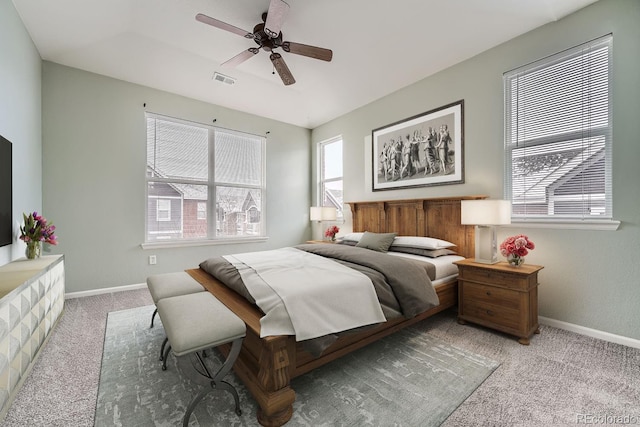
(488, 293)
(489, 312)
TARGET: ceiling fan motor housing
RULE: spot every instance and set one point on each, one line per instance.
(263, 40)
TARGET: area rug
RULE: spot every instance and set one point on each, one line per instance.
(408, 379)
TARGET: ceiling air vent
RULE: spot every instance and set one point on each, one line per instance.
(223, 79)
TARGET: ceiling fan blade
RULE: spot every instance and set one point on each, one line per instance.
(282, 69)
(276, 15)
(306, 50)
(223, 25)
(240, 58)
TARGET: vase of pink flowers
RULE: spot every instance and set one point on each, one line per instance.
(331, 232)
(515, 248)
(34, 232)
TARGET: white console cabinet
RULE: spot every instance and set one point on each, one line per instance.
(31, 301)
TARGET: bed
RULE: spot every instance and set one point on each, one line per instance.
(267, 365)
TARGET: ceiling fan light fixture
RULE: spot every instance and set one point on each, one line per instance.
(222, 78)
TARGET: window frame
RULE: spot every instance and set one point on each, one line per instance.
(212, 186)
(322, 181)
(574, 220)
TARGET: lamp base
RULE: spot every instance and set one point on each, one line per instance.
(486, 246)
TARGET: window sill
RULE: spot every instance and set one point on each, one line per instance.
(592, 225)
(191, 243)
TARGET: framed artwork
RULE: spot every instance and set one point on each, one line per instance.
(423, 150)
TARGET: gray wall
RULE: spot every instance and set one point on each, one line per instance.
(94, 157)
(20, 122)
(591, 278)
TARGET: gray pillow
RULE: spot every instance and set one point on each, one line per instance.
(376, 241)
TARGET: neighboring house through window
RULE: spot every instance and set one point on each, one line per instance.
(558, 136)
(330, 174)
(203, 183)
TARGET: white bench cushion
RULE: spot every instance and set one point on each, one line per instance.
(169, 285)
(198, 321)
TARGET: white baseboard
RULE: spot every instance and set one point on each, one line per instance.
(80, 294)
(593, 333)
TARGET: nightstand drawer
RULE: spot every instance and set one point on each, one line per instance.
(491, 295)
(490, 314)
(495, 278)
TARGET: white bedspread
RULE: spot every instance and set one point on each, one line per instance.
(306, 295)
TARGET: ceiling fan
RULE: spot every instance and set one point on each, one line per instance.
(268, 37)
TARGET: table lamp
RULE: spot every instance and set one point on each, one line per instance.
(485, 215)
(322, 213)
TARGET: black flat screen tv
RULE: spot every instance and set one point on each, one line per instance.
(6, 193)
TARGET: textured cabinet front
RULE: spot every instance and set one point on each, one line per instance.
(27, 315)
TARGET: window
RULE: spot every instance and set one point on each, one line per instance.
(203, 183)
(202, 210)
(330, 171)
(558, 136)
(163, 210)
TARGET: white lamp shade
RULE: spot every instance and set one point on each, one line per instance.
(486, 212)
(322, 213)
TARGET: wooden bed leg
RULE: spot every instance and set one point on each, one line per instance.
(275, 420)
(275, 380)
(270, 381)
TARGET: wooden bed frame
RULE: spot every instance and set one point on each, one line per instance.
(267, 365)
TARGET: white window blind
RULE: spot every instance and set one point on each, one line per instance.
(203, 183)
(558, 135)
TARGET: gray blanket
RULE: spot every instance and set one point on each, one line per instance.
(403, 286)
(408, 280)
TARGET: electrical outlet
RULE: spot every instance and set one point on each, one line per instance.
(152, 260)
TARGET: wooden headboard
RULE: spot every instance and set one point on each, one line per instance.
(437, 217)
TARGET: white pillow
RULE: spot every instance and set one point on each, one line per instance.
(421, 242)
(353, 237)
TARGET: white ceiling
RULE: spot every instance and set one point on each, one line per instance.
(378, 46)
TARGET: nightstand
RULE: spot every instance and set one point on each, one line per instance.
(500, 297)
